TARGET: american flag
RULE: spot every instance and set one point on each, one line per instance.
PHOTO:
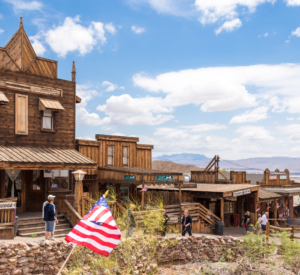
(97, 230)
(144, 189)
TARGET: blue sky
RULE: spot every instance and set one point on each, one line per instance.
(190, 76)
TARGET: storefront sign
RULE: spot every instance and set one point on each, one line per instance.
(8, 205)
(241, 193)
(164, 178)
(283, 177)
(273, 177)
(130, 177)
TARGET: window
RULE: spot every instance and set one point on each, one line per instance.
(125, 156)
(110, 155)
(229, 207)
(21, 115)
(47, 120)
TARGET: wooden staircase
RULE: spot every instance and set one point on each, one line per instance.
(29, 227)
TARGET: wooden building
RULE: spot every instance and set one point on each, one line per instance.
(37, 126)
(279, 182)
(123, 164)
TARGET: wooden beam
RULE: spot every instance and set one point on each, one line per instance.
(256, 199)
(211, 162)
(275, 214)
(143, 197)
(222, 209)
(2, 184)
(223, 175)
(78, 195)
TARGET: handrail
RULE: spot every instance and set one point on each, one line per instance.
(121, 206)
(292, 230)
(72, 215)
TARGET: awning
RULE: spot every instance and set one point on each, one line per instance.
(52, 105)
(3, 98)
(78, 99)
(265, 195)
(35, 158)
(285, 191)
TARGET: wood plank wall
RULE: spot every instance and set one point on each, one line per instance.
(204, 176)
(118, 153)
(64, 122)
(238, 177)
(144, 158)
(91, 150)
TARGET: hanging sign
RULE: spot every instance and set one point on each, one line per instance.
(241, 193)
(272, 177)
(130, 177)
(8, 205)
(283, 177)
(164, 178)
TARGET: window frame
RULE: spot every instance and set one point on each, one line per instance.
(52, 121)
(113, 155)
(128, 156)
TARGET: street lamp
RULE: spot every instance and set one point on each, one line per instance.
(78, 192)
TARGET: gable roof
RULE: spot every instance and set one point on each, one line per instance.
(19, 55)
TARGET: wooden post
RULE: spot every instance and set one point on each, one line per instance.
(268, 231)
(275, 213)
(2, 184)
(180, 202)
(78, 195)
(143, 196)
(268, 204)
(64, 264)
(222, 209)
(73, 72)
(285, 207)
(118, 193)
(256, 200)
(292, 232)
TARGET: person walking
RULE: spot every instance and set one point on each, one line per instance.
(247, 221)
(186, 223)
(166, 219)
(258, 224)
(50, 218)
(264, 220)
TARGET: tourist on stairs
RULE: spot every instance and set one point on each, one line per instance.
(49, 216)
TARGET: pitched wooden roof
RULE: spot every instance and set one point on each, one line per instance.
(267, 195)
(22, 157)
(3, 98)
(48, 104)
(19, 55)
(138, 170)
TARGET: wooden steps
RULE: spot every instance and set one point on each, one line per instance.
(36, 226)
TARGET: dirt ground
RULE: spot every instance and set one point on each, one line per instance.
(228, 269)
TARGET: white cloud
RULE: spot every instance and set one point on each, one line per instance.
(290, 118)
(1, 31)
(296, 32)
(229, 26)
(293, 2)
(125, 110)
(72, 36)
(110, 28)
(203, 127)
(122, 88)
(19, 5)
(257, 114)
(110, 86)
(287, 41)
(226, 88)
(37, 45)
(214, 10)
(137, 30)
(83, 116)
(254, 133)
(266, 34)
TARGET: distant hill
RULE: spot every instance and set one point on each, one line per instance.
(170, 166)
(293, 164)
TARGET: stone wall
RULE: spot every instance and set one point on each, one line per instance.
(201, 248)
(45, 257)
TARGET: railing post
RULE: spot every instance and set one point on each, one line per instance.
(284, 224)
(267, 231)
(292, 232)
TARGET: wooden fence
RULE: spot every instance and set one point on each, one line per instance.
(291, 230)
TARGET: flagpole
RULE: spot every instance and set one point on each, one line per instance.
(64, 264)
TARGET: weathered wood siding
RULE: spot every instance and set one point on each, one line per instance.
(238, 177)
(204, 176)
(64, 122)
(144, 158)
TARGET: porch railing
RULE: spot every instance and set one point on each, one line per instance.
(70, 213)
(290, 230)
(7, 218)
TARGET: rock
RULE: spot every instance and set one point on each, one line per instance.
(26, 270)
(3, 267)
(17, 272)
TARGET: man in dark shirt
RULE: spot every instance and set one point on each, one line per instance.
(186, 223)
